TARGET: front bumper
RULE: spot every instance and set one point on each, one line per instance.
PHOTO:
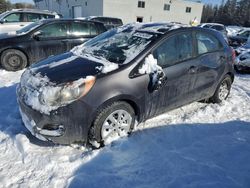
(66, 125)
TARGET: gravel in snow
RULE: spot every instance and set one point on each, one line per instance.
(199, 145)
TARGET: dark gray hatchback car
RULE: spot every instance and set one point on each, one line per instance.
(98, 90)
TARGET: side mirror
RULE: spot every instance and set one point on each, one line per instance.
(157, 80)
(37, 35)
(2, 21)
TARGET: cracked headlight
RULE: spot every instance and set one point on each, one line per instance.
(66, 93)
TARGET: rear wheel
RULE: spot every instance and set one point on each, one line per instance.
(114, 121)
(13, 60)
(222, 91)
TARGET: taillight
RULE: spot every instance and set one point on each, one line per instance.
(233, 55)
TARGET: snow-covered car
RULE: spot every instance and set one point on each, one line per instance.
(99, 90)
(17, 18)
(44, 38)
(242, 63)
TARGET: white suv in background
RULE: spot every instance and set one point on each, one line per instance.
(17, 18)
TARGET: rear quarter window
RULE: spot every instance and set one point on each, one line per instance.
(207, 43)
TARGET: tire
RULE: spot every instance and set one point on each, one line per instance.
(99, 134)
(223, 90)
(13, 60)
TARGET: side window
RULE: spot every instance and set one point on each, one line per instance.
(207, 43)
(54, 30)
(175, 49)
(79, 29)
(32, 17)
(15, 17)
(93, 30)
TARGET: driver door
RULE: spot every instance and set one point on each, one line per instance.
(175, 56)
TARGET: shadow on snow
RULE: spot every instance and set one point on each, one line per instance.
(197, 155)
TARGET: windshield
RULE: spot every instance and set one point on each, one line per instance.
(119, 45)
(28, 28)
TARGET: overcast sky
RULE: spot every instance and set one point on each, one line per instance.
(205, 1)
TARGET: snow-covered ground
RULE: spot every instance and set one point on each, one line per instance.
(199, 145)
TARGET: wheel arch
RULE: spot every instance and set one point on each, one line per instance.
(231, 75)
(121, 98)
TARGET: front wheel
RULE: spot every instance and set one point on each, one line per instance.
(114, 121)
(223, 90)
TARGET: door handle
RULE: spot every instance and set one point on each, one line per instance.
(222, 57)
(192, 70)
(21, 25)
(65, 41)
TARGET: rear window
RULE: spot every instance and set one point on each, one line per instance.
(207, 43)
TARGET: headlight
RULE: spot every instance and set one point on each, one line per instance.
(66, 93)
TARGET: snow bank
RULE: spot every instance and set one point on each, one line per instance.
(176, 149)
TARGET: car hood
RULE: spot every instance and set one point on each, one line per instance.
(8, 35)
(66, 67)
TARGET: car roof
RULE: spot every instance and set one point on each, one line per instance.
(51, 20)
(33, 11)
(157, 27)
(108, 17)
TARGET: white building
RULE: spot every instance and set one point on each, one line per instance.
(128, 10)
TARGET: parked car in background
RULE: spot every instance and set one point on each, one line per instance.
(97, 91)
(218, 27)
(109, 22)
(239, 39)
(232, 30)
(242, 64)
(44, 38)
(17, 18)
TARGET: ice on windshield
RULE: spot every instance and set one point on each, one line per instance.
(118, 46)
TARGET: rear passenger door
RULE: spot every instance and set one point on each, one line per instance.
(175, 56)
(51, 40)
(212, 61)
(80, 32)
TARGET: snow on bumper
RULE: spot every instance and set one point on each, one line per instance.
(31, 126)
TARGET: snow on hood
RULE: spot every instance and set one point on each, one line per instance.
(107, 66)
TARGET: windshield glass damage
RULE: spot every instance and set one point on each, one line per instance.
(118, 46)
